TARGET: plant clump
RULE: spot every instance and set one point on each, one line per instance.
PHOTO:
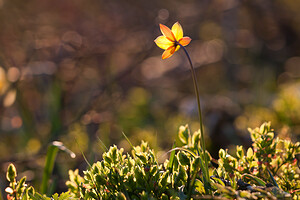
(267, 170)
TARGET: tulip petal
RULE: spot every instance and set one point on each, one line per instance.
(167, 32)
(177, 31)
(185, 41)
(168, 53)
(163, 42)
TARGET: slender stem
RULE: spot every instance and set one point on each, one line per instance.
(196, 92)
(199, 112)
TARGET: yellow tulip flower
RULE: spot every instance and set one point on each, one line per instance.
(171, 40)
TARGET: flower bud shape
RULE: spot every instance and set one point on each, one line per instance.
(11, 173)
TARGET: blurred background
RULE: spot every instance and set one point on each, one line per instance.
(82, 72)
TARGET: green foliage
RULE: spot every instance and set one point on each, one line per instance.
(11, 173)
(19, 190)
(267, 170)
(272, 161)
(133, 176)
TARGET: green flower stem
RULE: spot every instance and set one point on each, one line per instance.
(200, 116)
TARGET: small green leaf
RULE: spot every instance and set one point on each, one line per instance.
(199, 186)
(181, 177)
(93, 195)
(196, 164)
(218, 180)
(164, 196)
(55, 196)
(142, 157)
(183, 159)
(245, 194)
(11, 173)
(239, 151)
(139, 176)
(222, 153)
(100, 180)
(249, 152)
(107, 159)
(196, 138)
(31, 190)
(163, 179)
(184, 134)
(113, 151)
(38, 196)
(20, 188)
(121, 196)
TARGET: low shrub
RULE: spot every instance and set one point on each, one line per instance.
(267, 170)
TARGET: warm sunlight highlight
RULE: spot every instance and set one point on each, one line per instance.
(171, 40)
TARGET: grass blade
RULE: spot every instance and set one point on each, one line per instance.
(256, 179)
(102, 145)
(171, 160)
(87, 162)
(50, 160)
(183, 149)
(128, 141)
(272, 178)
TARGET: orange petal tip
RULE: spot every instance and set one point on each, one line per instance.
(167, 32)
(185, 41)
